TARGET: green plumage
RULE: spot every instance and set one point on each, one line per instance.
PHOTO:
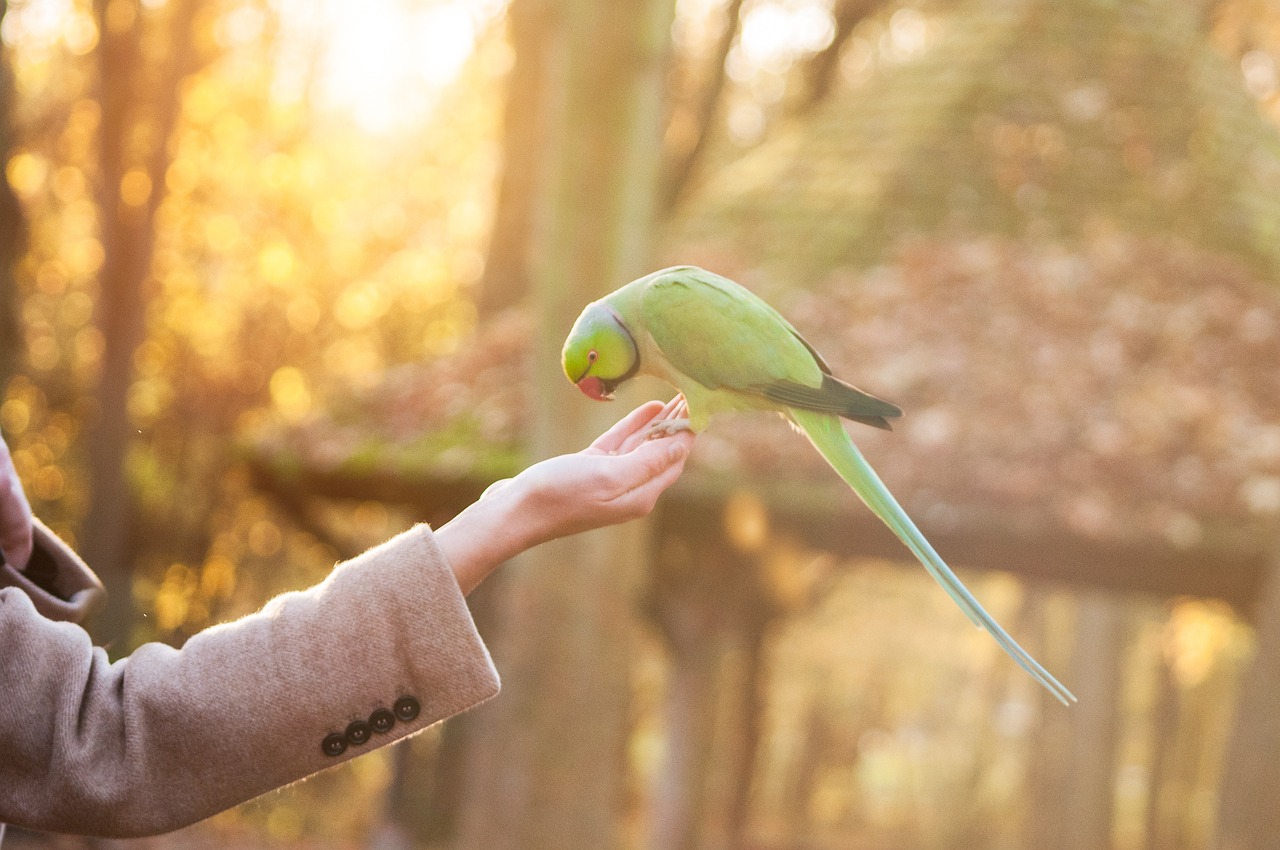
(726, 349)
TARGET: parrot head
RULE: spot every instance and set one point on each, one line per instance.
(600, 352)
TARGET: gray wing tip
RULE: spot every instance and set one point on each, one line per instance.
(874, 421)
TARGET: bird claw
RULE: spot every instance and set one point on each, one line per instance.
(666, 428)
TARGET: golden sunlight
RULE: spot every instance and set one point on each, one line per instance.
(385, 61)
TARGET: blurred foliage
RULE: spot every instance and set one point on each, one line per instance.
(296, 253)
(323, 220)
(1030, 119)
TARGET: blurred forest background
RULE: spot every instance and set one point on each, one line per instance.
(280, 278)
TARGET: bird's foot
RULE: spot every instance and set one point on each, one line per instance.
(667, 428)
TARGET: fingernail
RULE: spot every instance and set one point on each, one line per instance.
(674, 452)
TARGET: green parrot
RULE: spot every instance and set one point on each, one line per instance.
(725, 349)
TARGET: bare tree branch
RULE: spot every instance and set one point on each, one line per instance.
(681, 165)
(506, 275)
(125, 89)
(821, 70)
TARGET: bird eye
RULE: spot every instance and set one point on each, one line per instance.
(592, 356)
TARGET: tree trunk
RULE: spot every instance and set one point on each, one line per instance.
(816, 747)
(1090, 789)
(525, 133)
(1049, 783)
(1249, 800)
(11, 231)
(127, 242)
(714, 606)
(549, 770)
(751, 694)
(690, 718)
(126, 246)
(1164, 733)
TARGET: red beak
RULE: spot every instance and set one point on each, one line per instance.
(593, 387)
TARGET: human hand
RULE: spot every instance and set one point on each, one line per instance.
(617, 478)
(15, 514)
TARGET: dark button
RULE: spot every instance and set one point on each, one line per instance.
(407, 708)
(358, 732)
(382, 720)
(334, 745)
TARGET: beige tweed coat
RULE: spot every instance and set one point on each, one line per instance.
(384, 647)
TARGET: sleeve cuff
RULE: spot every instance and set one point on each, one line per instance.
(405, 623)
(61, 586)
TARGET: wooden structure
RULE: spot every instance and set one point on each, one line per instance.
(1094, 417)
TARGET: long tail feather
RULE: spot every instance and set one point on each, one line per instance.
(830, 439)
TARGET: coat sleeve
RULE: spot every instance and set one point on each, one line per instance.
(381, 649)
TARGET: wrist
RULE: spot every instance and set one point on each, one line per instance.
(488, 532)
(508, 523)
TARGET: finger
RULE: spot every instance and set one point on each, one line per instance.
(641, 435)
(669, 409)
(612, 439)
(664, 413)
(640, 500)
(630, 432)
(683, 438)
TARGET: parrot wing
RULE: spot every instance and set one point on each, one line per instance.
(722, 335)
(725, 337)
